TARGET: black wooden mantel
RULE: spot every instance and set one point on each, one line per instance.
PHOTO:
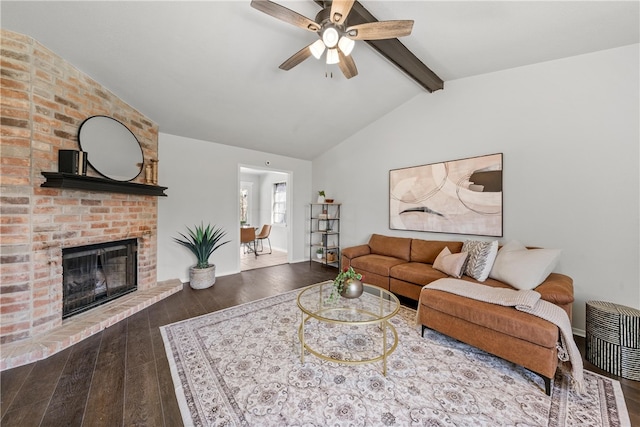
(91, 183)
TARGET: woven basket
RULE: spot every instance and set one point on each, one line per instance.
(613, 338)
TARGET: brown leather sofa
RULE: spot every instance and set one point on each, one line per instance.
(404, 266)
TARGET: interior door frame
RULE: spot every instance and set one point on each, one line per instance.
(290, 218)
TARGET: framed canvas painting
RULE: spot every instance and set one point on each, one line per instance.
(460, 196)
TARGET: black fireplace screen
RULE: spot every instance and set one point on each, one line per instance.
(96, 274)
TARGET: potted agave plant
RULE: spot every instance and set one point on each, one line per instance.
(202, 242)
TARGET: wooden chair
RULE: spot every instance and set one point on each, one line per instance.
(264, 234)
(248, 239)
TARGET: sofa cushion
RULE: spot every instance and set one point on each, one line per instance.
(427, 250)
(374, 263)
(557, 288)
(480, 259)
(506, 320)
(449, 263)
(398, 247)
(356, 251)
(523, 268)
(416, 272)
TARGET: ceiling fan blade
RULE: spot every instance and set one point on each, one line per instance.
(286, 15)
(340, 10)
(380, 30)
(347, 65)
(296, 58)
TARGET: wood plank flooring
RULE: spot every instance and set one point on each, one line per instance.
(121, 377)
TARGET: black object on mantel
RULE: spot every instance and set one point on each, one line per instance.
(83, 182)
(72, 161)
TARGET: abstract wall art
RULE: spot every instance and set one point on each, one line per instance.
(459, 196)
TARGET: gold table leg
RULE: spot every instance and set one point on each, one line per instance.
(301, 337)
(384, 348)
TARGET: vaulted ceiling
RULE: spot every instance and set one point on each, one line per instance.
(209, 69)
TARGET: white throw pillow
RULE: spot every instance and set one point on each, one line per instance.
(480, 259)
(450, 264)
(524, 268)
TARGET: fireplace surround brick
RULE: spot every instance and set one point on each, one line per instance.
(44, 99)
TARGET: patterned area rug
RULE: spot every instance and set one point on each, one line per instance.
(241, 367)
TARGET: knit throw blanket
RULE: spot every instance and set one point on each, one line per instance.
(527, 301)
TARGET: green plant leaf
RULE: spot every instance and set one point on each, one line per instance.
(202, 242)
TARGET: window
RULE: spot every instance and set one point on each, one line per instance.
(244, 206)
(279, 211)
(245, 203)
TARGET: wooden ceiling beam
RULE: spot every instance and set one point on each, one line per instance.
(395, 52)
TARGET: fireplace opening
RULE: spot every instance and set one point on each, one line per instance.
(96, 274)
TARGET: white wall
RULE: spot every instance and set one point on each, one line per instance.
(569, 131)
(203, 180)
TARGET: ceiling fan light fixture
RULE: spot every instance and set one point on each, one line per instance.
(317, 49)
(330, 37)
(346, 45)
(332, 56)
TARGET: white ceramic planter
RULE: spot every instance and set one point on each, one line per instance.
(202, 278)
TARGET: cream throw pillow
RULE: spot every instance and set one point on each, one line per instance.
(449, 263)
(524, 268)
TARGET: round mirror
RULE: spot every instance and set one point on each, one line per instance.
(112, 149)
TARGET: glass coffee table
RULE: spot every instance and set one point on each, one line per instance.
(349, 331)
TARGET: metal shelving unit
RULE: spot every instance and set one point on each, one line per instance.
(324, 233)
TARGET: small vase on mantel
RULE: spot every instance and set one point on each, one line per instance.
(352, 288)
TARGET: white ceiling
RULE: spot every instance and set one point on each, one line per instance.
(209, 70)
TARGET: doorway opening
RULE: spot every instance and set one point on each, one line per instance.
(264, 200)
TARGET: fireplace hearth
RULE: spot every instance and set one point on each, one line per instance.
(96, 274)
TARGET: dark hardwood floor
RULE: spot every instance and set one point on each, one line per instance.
(121, 377)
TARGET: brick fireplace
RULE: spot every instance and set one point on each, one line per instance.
(93, 275)
(44, 100)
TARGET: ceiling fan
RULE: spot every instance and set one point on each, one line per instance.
(336, 36)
